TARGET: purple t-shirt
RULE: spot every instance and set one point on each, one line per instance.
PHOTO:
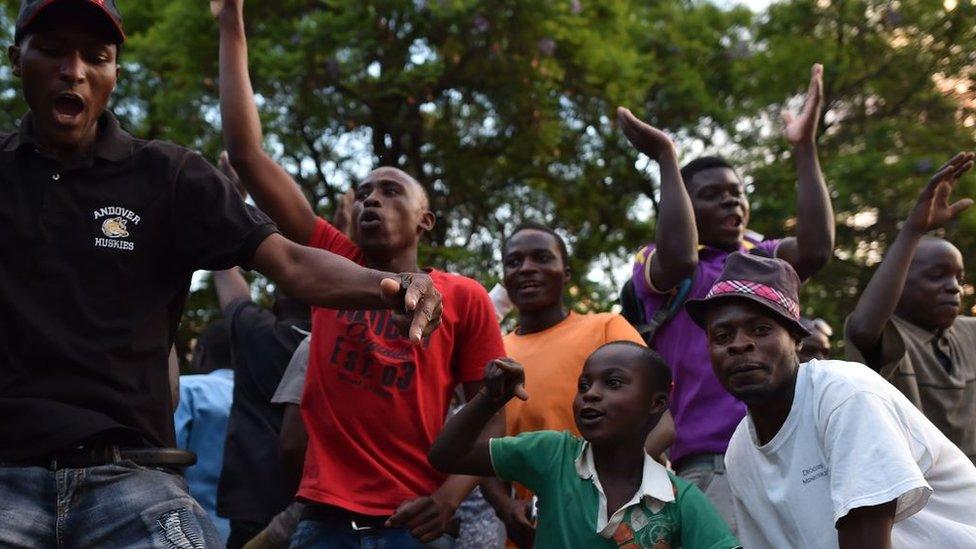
(705, 414)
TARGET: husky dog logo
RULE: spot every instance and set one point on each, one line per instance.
(115, 223)
(114, 227)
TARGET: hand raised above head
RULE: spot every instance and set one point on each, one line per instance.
(932, 210)
(504, 379)
(803, 128)
(644, 137)
(416, 303)
(218, 6)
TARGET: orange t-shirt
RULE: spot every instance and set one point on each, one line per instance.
(553, 360)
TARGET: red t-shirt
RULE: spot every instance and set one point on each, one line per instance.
(373, 404)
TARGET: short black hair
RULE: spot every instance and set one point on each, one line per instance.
(212, 351)
(536, 226)
(701, 164)
(660, 374)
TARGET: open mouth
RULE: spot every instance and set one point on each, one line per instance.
(529, 285)
(591, 415)
(369, 219)
(67, 106)
(732, 222)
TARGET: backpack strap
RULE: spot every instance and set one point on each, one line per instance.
(669, 310)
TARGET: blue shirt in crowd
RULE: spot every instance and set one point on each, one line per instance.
(201, 427)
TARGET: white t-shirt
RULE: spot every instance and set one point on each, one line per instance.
(851, 440)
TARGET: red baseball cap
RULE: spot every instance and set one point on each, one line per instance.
(31, 9)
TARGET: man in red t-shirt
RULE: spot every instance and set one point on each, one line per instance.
(373, 404)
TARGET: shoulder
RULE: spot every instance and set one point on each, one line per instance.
(536, 441)
(166, 151)
(839, 379)
(644, 253)
(457, 285)
(740, 440)
(965, 325)
(836, 383)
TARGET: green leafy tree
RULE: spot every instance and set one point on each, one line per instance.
(503, 109)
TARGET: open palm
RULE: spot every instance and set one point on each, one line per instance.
(644, 137)
(803, 128)
(933, 208)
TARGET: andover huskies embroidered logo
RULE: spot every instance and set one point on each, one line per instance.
(115, 227)
(115, 223)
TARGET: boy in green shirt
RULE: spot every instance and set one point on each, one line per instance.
(599, 491)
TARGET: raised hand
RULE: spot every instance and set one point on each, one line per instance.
(803, 128)
(218, 6)
(416, 303)
(932, 209)
(644, 137)
(504, 379)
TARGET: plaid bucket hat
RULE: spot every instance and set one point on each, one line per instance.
(768, 282)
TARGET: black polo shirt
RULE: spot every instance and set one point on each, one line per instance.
(251, 487)
(96, 256)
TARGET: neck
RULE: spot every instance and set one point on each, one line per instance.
(769, 415)
(396, 261)
(619, 460)
(65, 151)
(906, 314)
(531, 322)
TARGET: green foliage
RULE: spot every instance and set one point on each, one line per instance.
(503, 109)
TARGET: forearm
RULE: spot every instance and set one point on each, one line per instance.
(496, 492)
(676, 238)
(880, 298)
(454, 449)
(815, 214)
(239, 114)
(230, 286)
(318, 277)
(455, 489)
(273, 189)
(661, 437)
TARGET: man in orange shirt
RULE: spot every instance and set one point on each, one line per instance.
(552, 343)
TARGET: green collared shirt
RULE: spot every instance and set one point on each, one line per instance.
(666, 511)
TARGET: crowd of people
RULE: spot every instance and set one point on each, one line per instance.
(378, 404)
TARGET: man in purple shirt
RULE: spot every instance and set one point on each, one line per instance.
(702, 219)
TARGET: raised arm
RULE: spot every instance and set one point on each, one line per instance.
(273, 189)
(676, 237)
(460, 449)
(880, 298)
(231, 286)
(321, 278)
(814, 243)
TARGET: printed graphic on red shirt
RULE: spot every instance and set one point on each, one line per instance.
(372, 353)
(373, 403)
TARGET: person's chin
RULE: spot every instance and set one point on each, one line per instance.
(750, 392)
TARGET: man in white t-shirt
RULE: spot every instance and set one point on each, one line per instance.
(830, 454)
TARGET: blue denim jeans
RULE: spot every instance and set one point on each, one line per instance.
(120, 506)
(312, 534)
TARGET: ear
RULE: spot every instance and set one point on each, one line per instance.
(427, 220)
(567, 272)
(13, 54)
(660, 402)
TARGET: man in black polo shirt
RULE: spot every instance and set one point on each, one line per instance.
(99, 235)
